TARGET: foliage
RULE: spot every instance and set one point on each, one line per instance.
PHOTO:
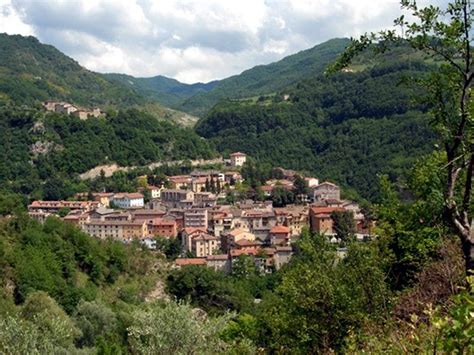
(173, 328)
(347, 127)
(343, 224)
(127, 138)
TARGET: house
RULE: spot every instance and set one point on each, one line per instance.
(128, 200)
(147, 214)
(196, 218)
(154, 191)
(64, 107)
(232, 177)
(172, 197)
(311, 181)
(219, 262)
(49, 105)
(198, 184)
(282, 256)
(238, 159)
(81, 114)
(204, 244)
(162, 227)
(320, 219)
(326, 190)
(103, 197)
(204, 199)
(279, 235)
(187, 234)
(180, 262)
(180, 181)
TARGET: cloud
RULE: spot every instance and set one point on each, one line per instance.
(191, 40)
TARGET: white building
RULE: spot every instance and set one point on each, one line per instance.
(129, 200)
(238, 159)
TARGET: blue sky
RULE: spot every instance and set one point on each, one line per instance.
(192, 40)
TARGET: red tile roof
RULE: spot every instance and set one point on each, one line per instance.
(280, 229)
(190, 261)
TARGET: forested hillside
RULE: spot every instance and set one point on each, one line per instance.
(169, 92)
(37, 147)
(348, 127)
(265, 79)
(31, 72)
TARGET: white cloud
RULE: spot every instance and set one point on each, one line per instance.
(191, 40)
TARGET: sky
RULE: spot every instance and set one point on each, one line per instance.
(190, 40)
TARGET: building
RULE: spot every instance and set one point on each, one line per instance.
(320, 219)
(172, 198)
(146, 214)
(204, 199)
(325, 191)
(204, 244)
(128, 200)
(196, 218)
(64, 107)
(121, 230)
(180, 262)
(219, 262)
(180, 181)
(162, 227)
(238, 159)
(103, 197)
(279, 235)
(55, 206)
(282, 256)
(81, 114)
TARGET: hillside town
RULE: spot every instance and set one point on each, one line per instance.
(211, 231)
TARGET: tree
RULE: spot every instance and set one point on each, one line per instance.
(175, 328)
(446, 36)
(344, 225)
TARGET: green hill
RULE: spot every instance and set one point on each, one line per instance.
(348, 127)
(169, 92)
(265, 79)
(31, 72)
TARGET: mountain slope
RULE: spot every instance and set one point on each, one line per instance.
(169, 92)
(31, 72)
(265, 79)
(348, 127)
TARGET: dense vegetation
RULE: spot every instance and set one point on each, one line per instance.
(266, 79)
(169, 92)
(347, 127)
(37, 147)
(31, 72)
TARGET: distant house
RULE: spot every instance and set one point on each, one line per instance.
(326, 191)
(128, 200)
(220, 262)
(204, 244)
(64, 107)
(238, 159)
(320, 219)
(196, 218)
(81, 114)
(279, 235)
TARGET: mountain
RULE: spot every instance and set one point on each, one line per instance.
(31, 72)
(197, 99)
(169, 92)
(349, 127)
(266, 79)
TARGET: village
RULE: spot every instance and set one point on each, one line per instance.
(211, 231)
(71, 109)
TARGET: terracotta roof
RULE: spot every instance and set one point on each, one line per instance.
(327, 183)
(245, 242)
(128, 195)
(284, 249)
(238, 154)
(192, 230)
(217, 257)
(280, 229)
(248, 251)
(190, 261)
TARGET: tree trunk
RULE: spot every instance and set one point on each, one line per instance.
(468, 250)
